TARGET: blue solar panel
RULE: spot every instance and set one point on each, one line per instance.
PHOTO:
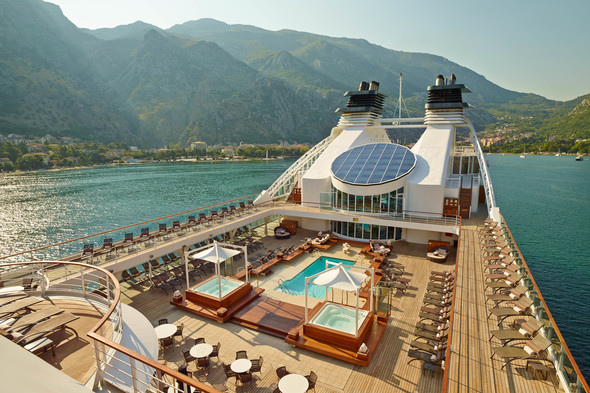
(373, 164)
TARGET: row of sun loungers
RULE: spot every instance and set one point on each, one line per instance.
(28, 327)
(431, 331)
(522, 339)
(391, 273)
(130, 239)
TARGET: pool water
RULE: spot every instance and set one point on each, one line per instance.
(211, 286)
(339, 317)
(296, 285)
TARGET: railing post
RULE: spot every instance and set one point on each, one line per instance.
(133, 377)
(99, 370)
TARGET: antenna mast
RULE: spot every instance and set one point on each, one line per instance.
(400, 101)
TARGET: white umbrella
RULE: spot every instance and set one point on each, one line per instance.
(338, 277)
(215, 254)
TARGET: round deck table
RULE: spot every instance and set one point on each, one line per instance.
(293, 383)
(201, 350)
(241, 365)
(166, 330)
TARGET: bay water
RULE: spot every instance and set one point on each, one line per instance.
(544, 199)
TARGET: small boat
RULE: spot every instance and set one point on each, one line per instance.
(579, 157)
(523, 153)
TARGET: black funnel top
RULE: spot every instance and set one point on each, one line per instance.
(447, 96)
(364, 100)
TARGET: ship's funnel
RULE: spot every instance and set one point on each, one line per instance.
(445, 102)
(363, 107)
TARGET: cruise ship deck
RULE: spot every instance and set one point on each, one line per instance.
(469, 367)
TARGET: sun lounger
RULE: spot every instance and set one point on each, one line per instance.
(532, 349)
(434, 359)
(48, 326)
(11, 297)
(508, 295)
(430, 336)
(430, 347)
(519, 307)
(18, 305)
(524, 332)
(32, 318)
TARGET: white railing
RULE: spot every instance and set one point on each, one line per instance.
(485, 176)
(285, 183)
(130, 370)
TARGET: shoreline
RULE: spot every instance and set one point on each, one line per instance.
(188, 160)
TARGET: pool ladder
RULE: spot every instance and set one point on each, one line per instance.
(283, 287)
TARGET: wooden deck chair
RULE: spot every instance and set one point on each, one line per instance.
(11, 297)
(48, 326)
(532, 349)
(33, 318)
(508, 295)
(518, 307)
(526, 330)
(19, 305)
(434, 359)
(430, 346)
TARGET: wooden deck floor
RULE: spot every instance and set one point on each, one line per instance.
(471, 369)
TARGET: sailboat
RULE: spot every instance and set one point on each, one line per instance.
(522, 155)
(558, 153)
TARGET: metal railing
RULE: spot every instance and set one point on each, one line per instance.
(566, 367)
(127, 369)
(285, 183)
(74, 248)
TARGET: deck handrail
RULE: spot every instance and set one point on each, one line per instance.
(285, 183)
(187, 212)
(581, 382)
(111, 295)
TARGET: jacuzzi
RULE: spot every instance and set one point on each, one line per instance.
(206, 293)
(335, 324)
(211, 286)
(339, 317)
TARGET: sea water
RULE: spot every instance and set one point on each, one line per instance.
(545, 200)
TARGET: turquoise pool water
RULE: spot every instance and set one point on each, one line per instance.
(296, 285)
(339, 317)
(211, 286)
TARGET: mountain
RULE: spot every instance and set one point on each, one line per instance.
(46, 82)
(207, 80)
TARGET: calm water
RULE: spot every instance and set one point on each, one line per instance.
(545, 199)
(546, 202)
(49, 207)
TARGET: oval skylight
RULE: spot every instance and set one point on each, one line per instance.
(375, 163)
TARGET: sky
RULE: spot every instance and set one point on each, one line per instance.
(529, 46)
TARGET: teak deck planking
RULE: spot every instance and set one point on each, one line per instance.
(470, 366)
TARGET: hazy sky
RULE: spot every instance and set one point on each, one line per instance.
(538, 46)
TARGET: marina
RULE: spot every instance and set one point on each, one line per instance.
(392, 354)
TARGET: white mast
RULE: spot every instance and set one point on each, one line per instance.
(400, 100)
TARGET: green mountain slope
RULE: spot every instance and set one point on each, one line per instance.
(206, 80)
(46, 82)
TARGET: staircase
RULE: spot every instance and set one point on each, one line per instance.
(465, 199)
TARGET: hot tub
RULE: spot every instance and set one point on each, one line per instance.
(339, 317)
(211, 286)
(335, 324)
(207, 292)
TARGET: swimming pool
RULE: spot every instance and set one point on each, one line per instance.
(296, 285)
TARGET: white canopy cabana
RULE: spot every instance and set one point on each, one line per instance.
(337, 277)
(217, 254)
